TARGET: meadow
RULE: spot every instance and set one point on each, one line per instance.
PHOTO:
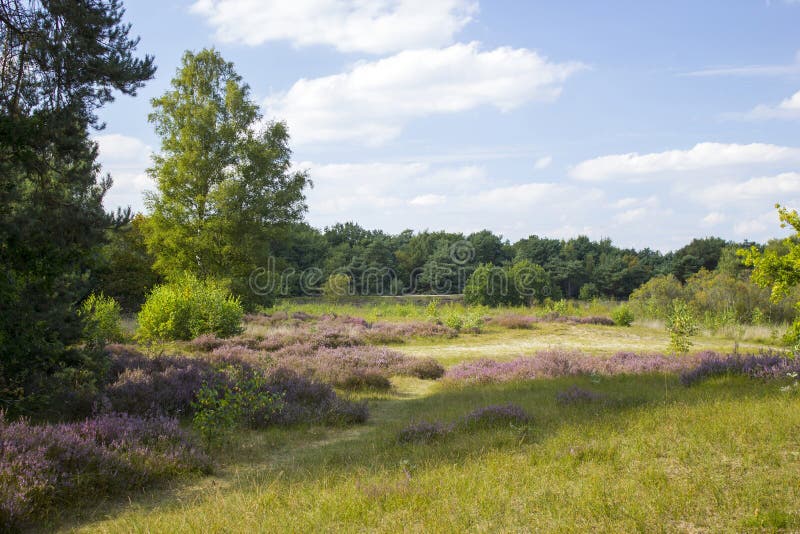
(592, 427)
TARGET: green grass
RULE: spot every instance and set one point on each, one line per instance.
(656, 456)
(723, 456)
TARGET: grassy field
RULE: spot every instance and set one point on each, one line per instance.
(653, 455)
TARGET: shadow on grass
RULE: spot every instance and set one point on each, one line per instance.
(304, 453)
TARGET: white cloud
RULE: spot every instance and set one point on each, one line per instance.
(789, 108)
(770, 189)
(757, 226)
(396, 196)
(428, 200)
(701, 156)
(714, 218)
(631, 215)
(372, 102)
(543, 162)
(372, 26)
(751, 70)
(126, 158)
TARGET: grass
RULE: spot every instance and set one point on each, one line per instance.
(698, 459)
(652, 456)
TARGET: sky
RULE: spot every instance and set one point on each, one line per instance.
(649, 123)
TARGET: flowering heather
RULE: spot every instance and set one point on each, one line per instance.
(233, 354)
(386, 333)
(163, 385)
(306, 400)
(514, 321)
(553, 363)
(424, 432)
(42, 466)
(350, 367)
(496, 415)
(766, 366)
(337, 331)
(169, 385)
(578, 395)
(206, 342)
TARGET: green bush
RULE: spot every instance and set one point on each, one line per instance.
(588, 291)
(681, 325)
(518, 284)
(335, 287)
(221, 409)
(622, 315)
(187, 308)
(102, 322)
(466, 321)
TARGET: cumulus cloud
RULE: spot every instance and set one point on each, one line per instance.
(395, 196)
(126, 159)
(375, 26)
(372, 102)
(789, 108)
(769, 189)
(702, 156)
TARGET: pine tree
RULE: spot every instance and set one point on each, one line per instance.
(61, 60)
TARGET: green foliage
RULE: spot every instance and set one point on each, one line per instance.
(432, 309)
(126, 273)
(779, 269)
(517, 284)
(681, 325)
(219, 410)
(655, 297)
(588, 291)
(187, 308)
(226, 191)
(487, 286)
(560, 307)
(102, 322)
(463, 320)
(528, 283)
(622, 315)
(61, 61)
(336, 286)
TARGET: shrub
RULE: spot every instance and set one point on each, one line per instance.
(681, 325)
(187, 308)
(423, 368)
(467, 321)
(496, 415)
(102, 322)
(554, 363)
(766, 366)
(336, 286)
(306, 400)
(510, 320)
(349, 367)
(588, 291)
(247, 402)
(424, 432)
(170, 384)
(206, 342)
(622, 315)
(44, 466)
(514, 285)
(364, 380)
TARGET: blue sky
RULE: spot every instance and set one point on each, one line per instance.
(647, 122)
